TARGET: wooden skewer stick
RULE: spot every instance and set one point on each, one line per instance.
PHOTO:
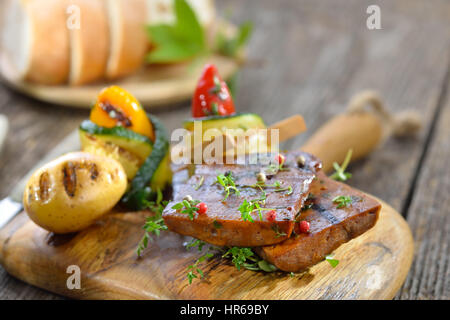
(289, 127)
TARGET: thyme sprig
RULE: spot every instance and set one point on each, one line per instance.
(342, 201)
(277, 185)
(340, 173)
(187, 206)
(200, 183)
(240, 257)
(277, 231)
(227, 182)
(248, 206)
(273, 168)
(245, 257)
(154, 224)
(194, 271)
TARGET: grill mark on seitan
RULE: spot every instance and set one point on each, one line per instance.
(325, 213)
(329, 226)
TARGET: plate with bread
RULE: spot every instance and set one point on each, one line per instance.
(64, 52)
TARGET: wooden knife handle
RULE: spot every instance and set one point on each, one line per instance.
(361, 132)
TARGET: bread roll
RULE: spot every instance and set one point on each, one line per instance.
(89, 44)
(44, 43)
(35, 40)
(128, 40)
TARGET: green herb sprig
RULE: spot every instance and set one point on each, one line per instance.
(277, 231)
(188, 207)
(240, 257)
(231, 46)
(183, 40)
(186, 38)
(245, 257)
(342, 201)
(340, 173)
(277, 185)
(200, 183)
(247, 207)
(227, 182)
(194, 271)
(333, 262)
(154, 224)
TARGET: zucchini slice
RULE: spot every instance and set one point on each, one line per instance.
(126, 146)
(240, 120)
(154, 171)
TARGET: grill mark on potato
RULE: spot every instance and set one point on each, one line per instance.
(93, 170)
(44, 186)
(70, 178)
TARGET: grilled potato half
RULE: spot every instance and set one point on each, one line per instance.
(71, 192)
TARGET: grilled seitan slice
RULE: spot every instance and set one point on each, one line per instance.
(330, 226)
(222, 224)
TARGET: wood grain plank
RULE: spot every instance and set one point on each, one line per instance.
(372, 266)
(429, 218)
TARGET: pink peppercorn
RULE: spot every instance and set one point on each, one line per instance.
(271, 215)
(304, 226)
(202, 208)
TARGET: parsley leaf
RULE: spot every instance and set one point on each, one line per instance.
(178, 42)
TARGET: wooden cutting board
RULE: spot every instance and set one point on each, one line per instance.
(372, 266)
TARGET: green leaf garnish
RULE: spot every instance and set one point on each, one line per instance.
(239, 256)
(181, 41)
(231, 46)
(340, 173)
(154, 224)
(194, 270)
(246, 209)
(333, 262)
(196, 243)
(217, 225)
(187, 207)
(245, 257)
(342, 201)
(227, 182)
(265, 266)
(277, 231)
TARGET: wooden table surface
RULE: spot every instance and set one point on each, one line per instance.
(310, 57)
